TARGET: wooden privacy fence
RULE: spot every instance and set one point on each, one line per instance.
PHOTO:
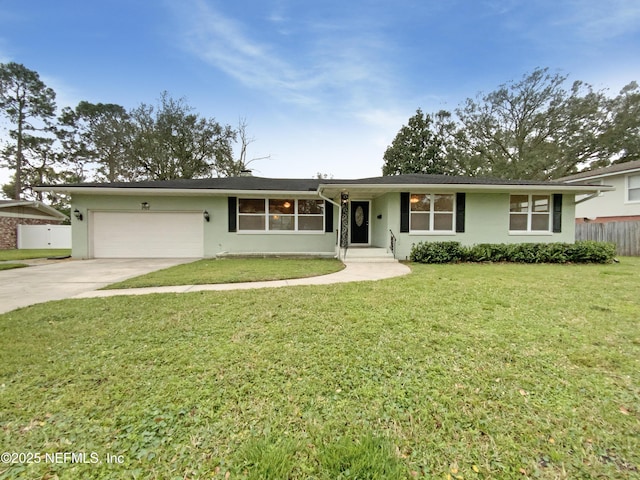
(626, 235)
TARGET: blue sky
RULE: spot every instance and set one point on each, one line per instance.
(325, 85)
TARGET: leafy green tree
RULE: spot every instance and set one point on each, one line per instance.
(421, 146)
(513, 131)
(41, 165)
(29, 105)
(97, 134)
(170, 142)
(537, 129)
(622, 140)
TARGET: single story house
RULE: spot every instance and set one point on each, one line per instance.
(279, 216)
(619, 205)
(24, 212)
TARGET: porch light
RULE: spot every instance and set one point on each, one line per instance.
(77, 214)
(145, 205)
(206, 216)
(344, 198)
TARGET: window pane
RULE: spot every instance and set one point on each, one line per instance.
(251, 205)
(283, 206)
(540, 222)
(634, 188)
(420, 221)
(281, 222)
(443, 203)
(311, 207)
(310, 223)
(251, 222)
(517, 221)
(443, 221)
(420, 203)
(540, 203)
(519, 203)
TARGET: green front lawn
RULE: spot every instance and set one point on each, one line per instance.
(455, 371)
(233, 270)
(15, 254)
(10, 266)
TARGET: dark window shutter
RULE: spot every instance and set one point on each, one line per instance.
(328, 217)
(404, 212)
(233, 202)
(557, 212)
(460, 208)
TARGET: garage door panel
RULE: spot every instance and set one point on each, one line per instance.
(147, 234)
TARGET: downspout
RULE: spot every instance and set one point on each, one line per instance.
(588, 197)
(339, 221)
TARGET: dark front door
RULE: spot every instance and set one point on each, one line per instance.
(359, 222)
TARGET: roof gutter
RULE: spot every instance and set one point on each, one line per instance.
(172, 191)
(469, 187)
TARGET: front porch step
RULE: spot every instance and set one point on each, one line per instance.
(368, 255)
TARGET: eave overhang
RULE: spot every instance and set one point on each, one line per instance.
(173, 192)
(46, 209)
(333, 190)
(604, 175)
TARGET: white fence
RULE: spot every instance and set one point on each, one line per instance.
(44, 236)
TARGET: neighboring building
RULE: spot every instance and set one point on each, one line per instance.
(621, 204)
(23, 212)
(253, 215)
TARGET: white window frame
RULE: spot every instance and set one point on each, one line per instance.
(431, 213)
(530, 213)
(267, 215)
(628, 188)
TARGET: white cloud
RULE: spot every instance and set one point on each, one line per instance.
(599, 19)
(335, 62)
(223, 43)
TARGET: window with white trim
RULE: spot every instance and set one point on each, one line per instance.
(633, 188)
(530, 213)
(280, 215)
(431, 212)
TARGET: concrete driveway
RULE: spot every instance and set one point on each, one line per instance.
(56, 280)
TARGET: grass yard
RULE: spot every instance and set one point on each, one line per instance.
(10, 266)
(233, 270)
(15, 254)
(463, 371)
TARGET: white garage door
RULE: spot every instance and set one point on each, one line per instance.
(147, 235)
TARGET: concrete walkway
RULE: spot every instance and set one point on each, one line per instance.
(353, 272)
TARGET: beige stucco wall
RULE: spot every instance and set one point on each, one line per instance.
(609, 204)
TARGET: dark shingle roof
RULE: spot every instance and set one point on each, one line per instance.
(425, 179)
(303, 185)
(225, 183)
(617, 168)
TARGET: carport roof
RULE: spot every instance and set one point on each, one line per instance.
(230, 185)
